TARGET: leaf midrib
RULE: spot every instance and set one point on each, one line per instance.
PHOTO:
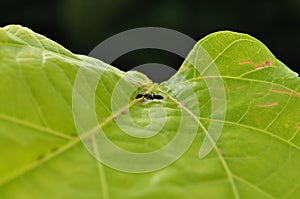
(220, 156)
(34, 126)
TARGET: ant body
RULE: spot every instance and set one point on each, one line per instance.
(148, 96)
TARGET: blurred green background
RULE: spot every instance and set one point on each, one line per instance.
(80, 25)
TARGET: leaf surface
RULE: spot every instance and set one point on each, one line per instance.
(256, 154)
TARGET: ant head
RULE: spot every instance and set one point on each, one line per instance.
(139, 96)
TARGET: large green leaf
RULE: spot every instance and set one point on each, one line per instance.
(42, 156)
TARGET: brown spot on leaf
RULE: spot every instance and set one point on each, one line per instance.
(124, 112)
(282, 91)
(54, 149)
(40, 157)
(299, 125)
(221, 152)
(240, 87)
(257, 122)
(90, 140)
(286, 92)
(260, 93)
(256, 65)
(267, 105)
(180, 106)
(73, 134)
(183, 68)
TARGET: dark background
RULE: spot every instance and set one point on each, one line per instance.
(79, 25)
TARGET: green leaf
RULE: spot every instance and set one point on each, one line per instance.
(256, 155)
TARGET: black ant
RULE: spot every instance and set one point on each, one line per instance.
(148, 96)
